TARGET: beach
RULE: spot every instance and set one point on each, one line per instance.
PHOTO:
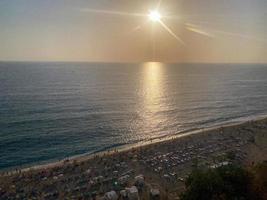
(159, 165)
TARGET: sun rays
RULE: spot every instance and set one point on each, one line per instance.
(171, 33)
(198, 30)
(154, 16)
(112, 12)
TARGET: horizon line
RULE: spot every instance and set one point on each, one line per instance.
(127, 62)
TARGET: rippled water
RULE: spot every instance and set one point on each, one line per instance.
(49, 111)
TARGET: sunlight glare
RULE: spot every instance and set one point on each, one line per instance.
(154, 16)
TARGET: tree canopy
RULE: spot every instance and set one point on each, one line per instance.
(226, 183)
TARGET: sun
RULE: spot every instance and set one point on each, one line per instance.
(154, 16)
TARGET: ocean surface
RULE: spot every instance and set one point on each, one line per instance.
(50, 111)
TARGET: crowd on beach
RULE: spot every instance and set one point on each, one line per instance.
(154, 171)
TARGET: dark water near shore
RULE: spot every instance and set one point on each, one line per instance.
(50, 111)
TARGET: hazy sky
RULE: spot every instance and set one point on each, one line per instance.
(68, 30)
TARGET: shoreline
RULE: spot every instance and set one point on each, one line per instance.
(163, 164)
(129, 147)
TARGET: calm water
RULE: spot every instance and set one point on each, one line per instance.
(49, 111)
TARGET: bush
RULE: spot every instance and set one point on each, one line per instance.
(260, 180)
(223, 183)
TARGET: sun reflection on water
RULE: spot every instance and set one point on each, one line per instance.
(152, 85)
(153, 97)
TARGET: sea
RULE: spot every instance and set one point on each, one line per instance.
(54, 110)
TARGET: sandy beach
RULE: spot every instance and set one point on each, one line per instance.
(160, 165)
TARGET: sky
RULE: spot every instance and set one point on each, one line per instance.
(120, 31)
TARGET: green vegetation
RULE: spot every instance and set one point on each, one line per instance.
(227, 183)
